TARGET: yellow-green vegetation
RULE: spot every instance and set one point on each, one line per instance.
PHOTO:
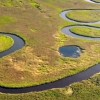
(84, 15)
(19, 3)
(98, 1)
(85, 90)
(40, 62)
(5, 43)
(86, 31)
(6, 20)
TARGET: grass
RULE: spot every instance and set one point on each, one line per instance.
(86, 31)
(41, 58)
(5, 43)
(19, 3)
(85, 90)
(4, 20)
(40, 62)
(84, 15)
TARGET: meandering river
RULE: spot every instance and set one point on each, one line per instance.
(59, 83)
(18, 44)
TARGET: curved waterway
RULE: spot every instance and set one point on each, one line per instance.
(91, 1)
(18, 44)
(59, 83)
(67, 32)
(64, 15)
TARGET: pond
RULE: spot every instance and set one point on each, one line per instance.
(70, 51)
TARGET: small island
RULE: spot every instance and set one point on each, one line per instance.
(6, 43)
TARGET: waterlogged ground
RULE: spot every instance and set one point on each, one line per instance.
(40, 61)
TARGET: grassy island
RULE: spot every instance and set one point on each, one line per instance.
(84, 15)
(86, 31)
(5, 43)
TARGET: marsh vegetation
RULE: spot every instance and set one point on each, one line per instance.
(39, 62)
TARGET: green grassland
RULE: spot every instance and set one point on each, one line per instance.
(86, 31)
(5, 43)
(84, 15)
(39, 61)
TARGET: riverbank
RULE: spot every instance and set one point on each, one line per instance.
(35, 59)
(44, 65)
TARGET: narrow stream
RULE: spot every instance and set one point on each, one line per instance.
(18, 44)
(67, 31)
(65, 13)
(59, 83)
